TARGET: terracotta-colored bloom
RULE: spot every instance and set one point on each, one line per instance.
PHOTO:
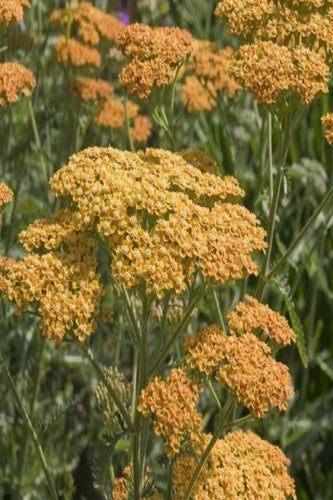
(258, 380)
(91, 23)
(209, 67)
(141, 129)
(289, 46)
(241, 465)
(244, 365)
(206, 349)
(112, 115)
(6, 194)
(154, 55)
(196, 96)
(173, 404)
(72, 52)
(252, 317)
(15, 79)
(12, 11)
(327, 122)
(65, 287)
(90, 89)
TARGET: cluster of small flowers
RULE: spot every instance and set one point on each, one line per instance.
(252, 317)
(162, 218)
(241, 465)
(62, 284)
(154, 55)
(15, 79)
(93, 25)
(289, 46)
(6, 194)
(173, 404)
(12, 11)
(327, 122)
(113, 115)
(242, 362)
(209, 74)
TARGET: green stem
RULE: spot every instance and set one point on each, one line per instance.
(302, 233)
(128, 129)
(218, 309)
(32, 432)
(122, 410)
(36, 383)
(37, 140)
(270, 155)
(212, 390)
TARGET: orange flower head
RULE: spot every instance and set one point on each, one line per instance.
(76, 54)
(15, 79)
(173, 404)
(90, 89)
(154, 55)
(12, 11)
(252, 317)
(6, 194)
(327, 122)
(141, 130)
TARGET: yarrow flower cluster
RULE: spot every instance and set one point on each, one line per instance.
(12, 11)
(173, 404)
(112, 115)
(64, 286)
(289, 46)
(154, 56)
(91, 24)
(241, 465)
(74, 53)
(242, 362)
(327, 122)
(15, 79)
(6, 194)
(253, 317)
(90, 89)
(162, 218)
(209, 74)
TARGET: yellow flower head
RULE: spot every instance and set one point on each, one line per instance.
(162, 217)
(267, 70)
(241, 465)
(15, 79)
(173, 404)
